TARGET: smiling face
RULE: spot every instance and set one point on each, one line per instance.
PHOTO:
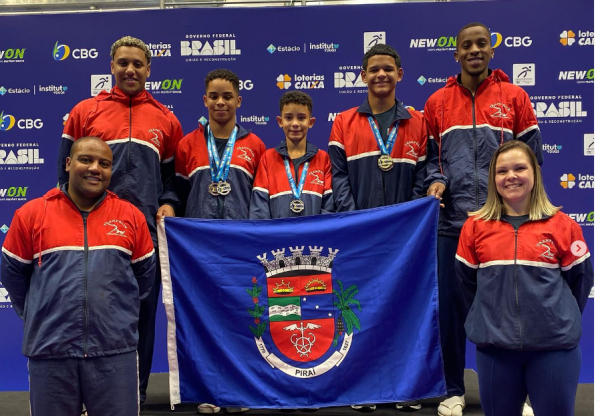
(514, 178)
(222, 100)
(295, 120)
(474, 51)
(381, 76)
(90, 170)
(130, 68)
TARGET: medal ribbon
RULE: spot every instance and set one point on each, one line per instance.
(219, 168)
(386, 148)
(297, 191)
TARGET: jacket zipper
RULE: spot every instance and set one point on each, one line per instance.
(85, 288)
(517, 292)
(128, 147)
(475, 144)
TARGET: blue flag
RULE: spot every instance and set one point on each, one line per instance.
(315, 311)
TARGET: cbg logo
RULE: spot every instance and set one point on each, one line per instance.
(61, 52)
(8, 122)
(246, 84)
(510, 41)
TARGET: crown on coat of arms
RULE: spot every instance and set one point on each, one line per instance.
(315, 285)
(281, 288)
(298, 260)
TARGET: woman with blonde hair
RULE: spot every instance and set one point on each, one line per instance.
(527, 274)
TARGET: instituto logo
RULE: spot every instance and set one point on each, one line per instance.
(324, 46)
(4, 228)
(551, 148)
(4, 297)
(258, 120)
(583, 37)
(55, 89)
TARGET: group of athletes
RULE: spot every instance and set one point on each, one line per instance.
(80, 262)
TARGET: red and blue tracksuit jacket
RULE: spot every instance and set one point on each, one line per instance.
(272, 194)
(77, 282)
(357, 181)
(464, 132)
(525, 288)
(142, 135)
(193, 176)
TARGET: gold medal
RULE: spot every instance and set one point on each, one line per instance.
(297, 206)
(385, 162)
(223, 188)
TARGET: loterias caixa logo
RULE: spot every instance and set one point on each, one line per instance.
(303, 322)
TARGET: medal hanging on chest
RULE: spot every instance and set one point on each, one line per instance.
(219, 168)
(385, 161)
(297, 205)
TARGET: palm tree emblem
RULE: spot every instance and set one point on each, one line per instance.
(347, 318)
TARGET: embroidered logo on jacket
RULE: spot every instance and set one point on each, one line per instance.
(501, 110)
(550, 252)
(117, 228)
(157, 136)
(414, 146)
(317, 175)
(246, 153)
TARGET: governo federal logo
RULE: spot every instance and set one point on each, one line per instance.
(303, 321)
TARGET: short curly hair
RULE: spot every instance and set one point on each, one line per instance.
(130, 41)
(381, 49)
(296, 97)
(225, 74)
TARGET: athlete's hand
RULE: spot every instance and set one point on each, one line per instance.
(165, 211)
(437, 189)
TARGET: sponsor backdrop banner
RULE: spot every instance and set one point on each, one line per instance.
(50, 62)
(326, 310)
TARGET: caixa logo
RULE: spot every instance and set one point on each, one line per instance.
(62, 52)
(8, 121)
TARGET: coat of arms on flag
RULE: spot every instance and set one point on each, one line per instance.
(305, 319)
(328, 310)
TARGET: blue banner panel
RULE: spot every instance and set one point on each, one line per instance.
(51, 62)
(307, 312)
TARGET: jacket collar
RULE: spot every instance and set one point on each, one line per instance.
(494, 76)
(401, 112)
(117, 94)
(241, 133)
(311, 150)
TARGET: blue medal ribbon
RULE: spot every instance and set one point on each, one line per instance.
(219, 168)
(385, 148)
(296, 190)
